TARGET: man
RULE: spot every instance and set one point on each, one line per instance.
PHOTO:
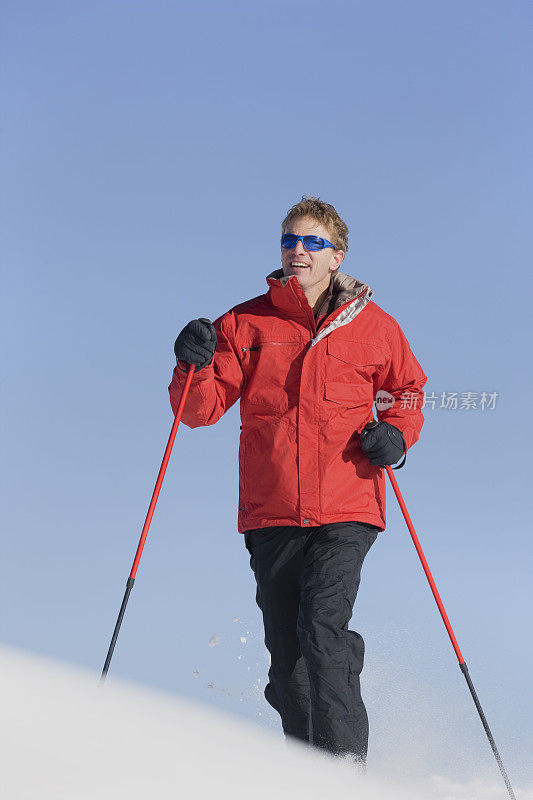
(306, 360)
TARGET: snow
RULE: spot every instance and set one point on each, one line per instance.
(66, 737)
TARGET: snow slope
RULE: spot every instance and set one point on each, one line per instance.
(65, 737)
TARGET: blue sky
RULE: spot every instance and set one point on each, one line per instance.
(149, 153)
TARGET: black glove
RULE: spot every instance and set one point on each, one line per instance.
(382, 443)
(196, 343)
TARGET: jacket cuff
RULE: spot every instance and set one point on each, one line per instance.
(206, 373)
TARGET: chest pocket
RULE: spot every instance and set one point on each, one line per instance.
(352, 361)
(349, 378)
(361, 354)
(272, 373)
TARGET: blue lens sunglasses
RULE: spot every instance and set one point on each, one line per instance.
(288, 241)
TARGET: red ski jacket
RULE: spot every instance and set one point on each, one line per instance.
(305, 396)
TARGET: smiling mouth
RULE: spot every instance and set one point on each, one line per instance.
(299, 265)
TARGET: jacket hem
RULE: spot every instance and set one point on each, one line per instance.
(355, 516)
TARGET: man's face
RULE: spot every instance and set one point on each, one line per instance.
(312, 268)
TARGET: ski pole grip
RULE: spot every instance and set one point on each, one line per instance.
(369, 425)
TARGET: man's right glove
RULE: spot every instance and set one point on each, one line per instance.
(196, 343)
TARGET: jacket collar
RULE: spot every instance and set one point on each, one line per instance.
(286, 293)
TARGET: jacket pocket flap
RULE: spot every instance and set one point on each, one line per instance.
(359, 353)
(348, 394)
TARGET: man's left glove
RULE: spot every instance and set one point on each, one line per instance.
(382, 443)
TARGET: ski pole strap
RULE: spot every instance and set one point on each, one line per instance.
(399, 466)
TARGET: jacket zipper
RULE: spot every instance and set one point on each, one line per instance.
(266, 344)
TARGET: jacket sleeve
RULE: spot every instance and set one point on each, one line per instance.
(404, 379)
(216, 387)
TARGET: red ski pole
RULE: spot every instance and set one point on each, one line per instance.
(148, 520)
(462, 663)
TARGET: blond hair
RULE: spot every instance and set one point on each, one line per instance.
(325, 214)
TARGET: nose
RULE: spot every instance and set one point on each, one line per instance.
(299, 248)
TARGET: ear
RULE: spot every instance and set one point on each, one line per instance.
(336, 259)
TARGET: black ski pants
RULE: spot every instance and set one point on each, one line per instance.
(307, 581)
